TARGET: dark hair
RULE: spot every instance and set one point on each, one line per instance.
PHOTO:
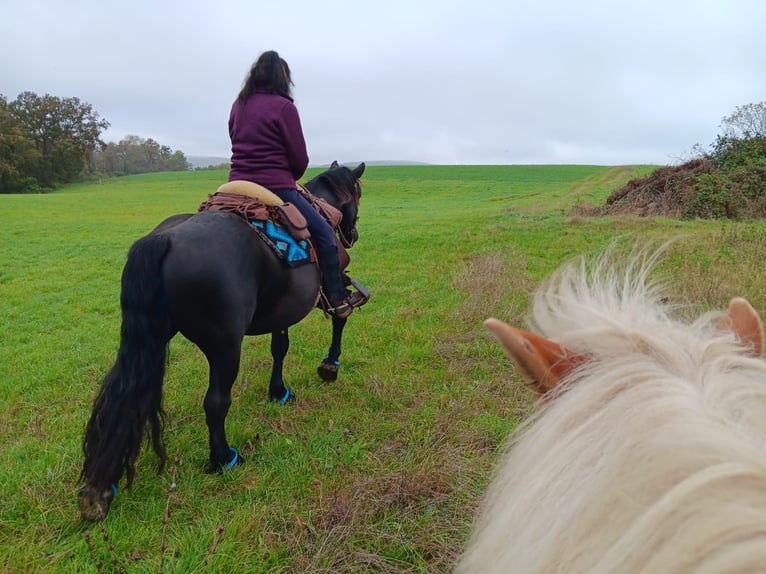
(270, 73)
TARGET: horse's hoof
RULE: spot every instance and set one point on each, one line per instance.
(94, 504)
(288, 397)
(328, 371)
(235, 460)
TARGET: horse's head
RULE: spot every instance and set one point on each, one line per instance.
(651, 427)
(340, 186)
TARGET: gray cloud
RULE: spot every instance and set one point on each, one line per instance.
(493, 81)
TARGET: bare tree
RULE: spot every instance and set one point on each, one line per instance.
(748, 121)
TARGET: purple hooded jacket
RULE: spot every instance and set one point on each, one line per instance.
(267, 144)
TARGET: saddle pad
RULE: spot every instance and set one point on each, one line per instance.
(250, 189)
(290, 250)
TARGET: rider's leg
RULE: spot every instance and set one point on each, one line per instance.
(341, 300)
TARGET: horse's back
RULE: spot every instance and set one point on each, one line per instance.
(219, 274)
(170, 222)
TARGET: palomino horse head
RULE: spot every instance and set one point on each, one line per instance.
(647, 452)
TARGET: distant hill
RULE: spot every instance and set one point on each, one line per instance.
(378, 162)
(198, 161)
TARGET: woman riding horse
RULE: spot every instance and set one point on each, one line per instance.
(210, 277)
(268, 148)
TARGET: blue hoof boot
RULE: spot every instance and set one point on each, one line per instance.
(235, 460)
(287, 398)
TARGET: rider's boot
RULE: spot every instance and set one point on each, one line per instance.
(342, 301)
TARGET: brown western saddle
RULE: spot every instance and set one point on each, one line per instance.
(255, 203)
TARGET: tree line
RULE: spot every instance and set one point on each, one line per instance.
(137, 155)
(47, 141)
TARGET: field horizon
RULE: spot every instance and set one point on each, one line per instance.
(381, 471)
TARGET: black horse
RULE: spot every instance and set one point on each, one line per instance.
(210, 277)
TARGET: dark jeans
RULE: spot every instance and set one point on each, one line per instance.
(322, 234)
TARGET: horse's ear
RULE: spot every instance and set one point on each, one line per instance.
(334, 164)
(358, 170)
(542, 362)
(742, 320)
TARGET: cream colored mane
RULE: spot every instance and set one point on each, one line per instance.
(648, 451)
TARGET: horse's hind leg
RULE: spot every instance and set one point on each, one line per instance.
(328, 368)
(224, 366)
(280, 344)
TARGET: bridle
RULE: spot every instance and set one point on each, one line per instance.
(351, 235)
(345, 239)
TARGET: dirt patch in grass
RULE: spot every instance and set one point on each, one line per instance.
(494, 284)
(366, 507)
(488, 280)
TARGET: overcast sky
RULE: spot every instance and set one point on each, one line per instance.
(438, 81)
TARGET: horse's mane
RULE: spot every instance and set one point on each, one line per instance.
(652, 455)
(342, 182)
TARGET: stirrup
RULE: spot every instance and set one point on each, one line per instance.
(346, 307)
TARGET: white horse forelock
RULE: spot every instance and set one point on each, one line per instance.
(651, 457)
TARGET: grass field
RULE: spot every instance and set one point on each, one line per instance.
(379, 472)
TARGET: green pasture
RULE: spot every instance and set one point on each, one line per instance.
(381, 471)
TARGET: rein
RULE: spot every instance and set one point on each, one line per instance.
(345, 240)
(332, 214)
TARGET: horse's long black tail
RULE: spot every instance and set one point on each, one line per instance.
(129, 403)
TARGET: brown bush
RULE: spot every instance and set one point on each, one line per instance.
(668, 191)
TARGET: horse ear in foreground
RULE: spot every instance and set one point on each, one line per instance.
(211, 277)
(647, 452)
